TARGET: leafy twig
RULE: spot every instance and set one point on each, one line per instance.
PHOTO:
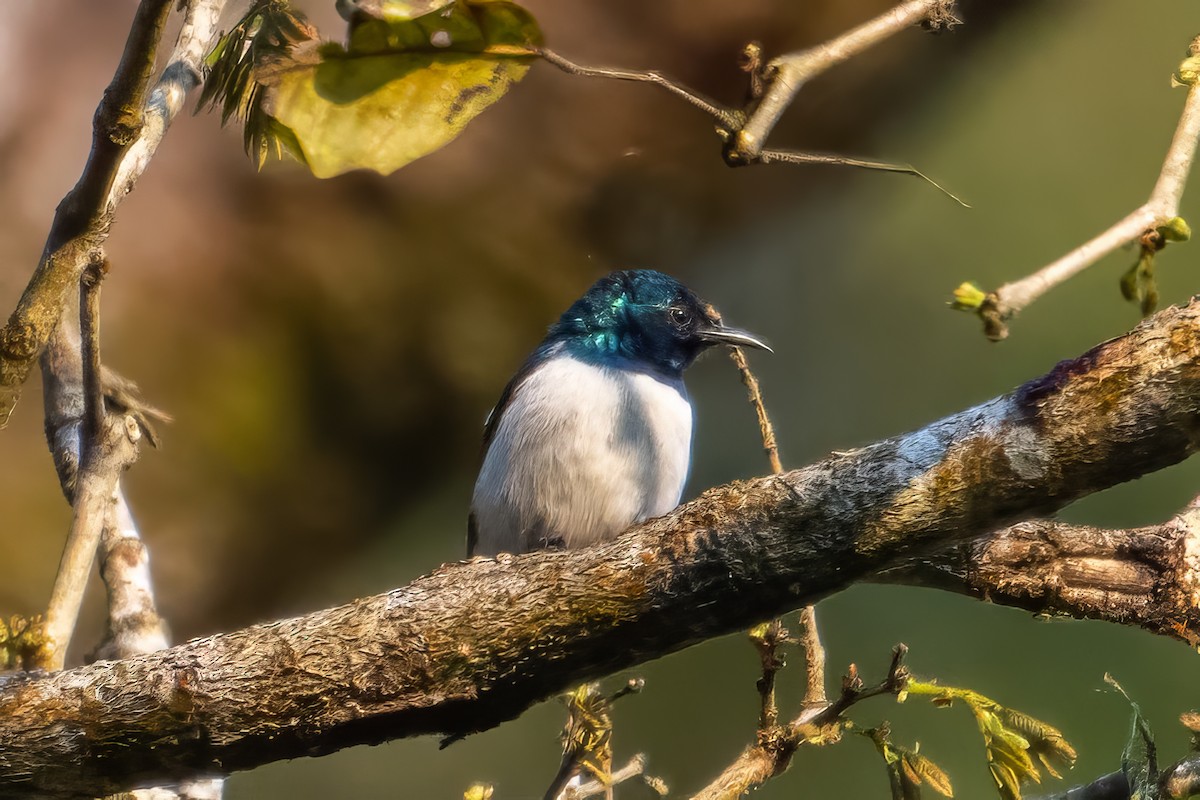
(1013, 739)
(1161, 208)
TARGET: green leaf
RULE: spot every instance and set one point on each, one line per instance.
(1012, 738)
(929, 772)
(403, 87)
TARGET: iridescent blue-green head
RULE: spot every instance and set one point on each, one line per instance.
(644, 319)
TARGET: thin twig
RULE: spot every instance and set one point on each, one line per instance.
(797, 157)
(767, 638)
(728, 118)
(1162, 206)
(773, 88)
(754, 391)
(772, 754)
(853, 691)
(89, 325)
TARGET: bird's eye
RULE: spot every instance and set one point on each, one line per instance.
(681, 316)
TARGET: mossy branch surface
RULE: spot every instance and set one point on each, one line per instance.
(476, 643)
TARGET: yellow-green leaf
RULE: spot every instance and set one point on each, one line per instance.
(402, 89)
(930, 773)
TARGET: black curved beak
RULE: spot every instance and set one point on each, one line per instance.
(732, 336)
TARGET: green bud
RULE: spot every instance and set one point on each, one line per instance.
(968, 297)
(1175, 229)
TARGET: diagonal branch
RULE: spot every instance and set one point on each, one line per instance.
(130, 121)
(1162, 206)
(790, 72)
(476, 643)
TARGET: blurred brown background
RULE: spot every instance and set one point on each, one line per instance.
(330, 348)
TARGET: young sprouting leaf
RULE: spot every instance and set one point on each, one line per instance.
(479, 791)
(1012, 738)
(1044, 741)
(402, 87)
(268, 36)
(907, 769)
(929, 773)
(1138, 284)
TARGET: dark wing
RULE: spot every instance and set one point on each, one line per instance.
(493, 422)
(472, 534)
(536, 359)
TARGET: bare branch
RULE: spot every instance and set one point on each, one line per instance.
(792, 71)
(114, 449)
(89, 325)
(1162, 206)
(727, 118)
(108, 447)
(129, 124)
(475, 643)
(773, 88)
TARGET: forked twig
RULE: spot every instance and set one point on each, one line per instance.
(772, 89)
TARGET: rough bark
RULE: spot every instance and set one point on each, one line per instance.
(475, 643)
(1148, 577)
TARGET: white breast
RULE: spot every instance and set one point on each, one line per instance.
(581, 452)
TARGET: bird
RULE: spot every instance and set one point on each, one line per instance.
(594, 432)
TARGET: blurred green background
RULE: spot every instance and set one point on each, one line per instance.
(329, 349)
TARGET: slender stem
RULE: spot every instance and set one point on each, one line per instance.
(727, 118)
(814, 659)
(797, 157)
(754, 391)
(113, 450)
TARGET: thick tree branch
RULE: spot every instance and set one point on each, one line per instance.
(129, 124)
(1148, 577)
(475, 643)
(1163, 205)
